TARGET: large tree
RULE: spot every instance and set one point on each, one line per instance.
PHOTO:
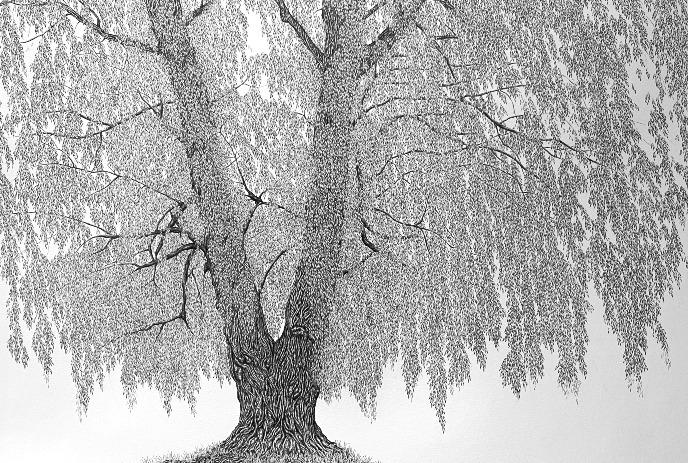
(400, 180)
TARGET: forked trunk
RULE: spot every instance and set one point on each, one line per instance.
(277, 403)
(278, 396)
(276, 381)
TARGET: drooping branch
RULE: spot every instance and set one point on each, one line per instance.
(257, 199)
(287, 17)
(108, 237)
(38, 36)
(418, 151)
(182, 314)
(94, 24)
(63, 216)
(374, 9)
(106, 126)
(417, 225)
(116, 176)
(105, 34)
(434, 42)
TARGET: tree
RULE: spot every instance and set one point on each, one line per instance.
(407, 179)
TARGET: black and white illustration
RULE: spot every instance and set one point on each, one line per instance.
(293, 201)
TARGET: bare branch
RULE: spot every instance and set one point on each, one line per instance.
(495, 90)
(416, 151)
(258, 200)
(63, 216)
(95, 26)
(568, 146)
(435, 44)
(98, 29)
(267, 272)
(287, 17)
(418, 225)
(157, 109)
(198, 11)
(50, 28)
(116, 176)
(359, 264)
(109, 238)
(366, 241)
(375, 9)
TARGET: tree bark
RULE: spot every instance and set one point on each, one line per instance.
(278, 399)
(277, 382)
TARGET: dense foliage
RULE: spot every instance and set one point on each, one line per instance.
(510, 156)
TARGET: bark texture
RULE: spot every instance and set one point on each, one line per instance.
(276, 381)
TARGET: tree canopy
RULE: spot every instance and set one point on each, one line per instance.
(502, 166)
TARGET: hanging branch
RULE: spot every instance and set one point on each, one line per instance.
(106, 233)
(116, 176)
(107, 126)
(98, 29)
(182, 314)
(95, 25)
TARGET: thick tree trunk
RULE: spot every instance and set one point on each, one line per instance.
(278, 397)
(277, 404)
(277, 382)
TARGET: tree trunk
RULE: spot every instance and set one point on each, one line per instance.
(277, 403)
(278, 397)
(277, 382)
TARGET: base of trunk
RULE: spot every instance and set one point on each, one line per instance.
(248, 439)
(277, 398)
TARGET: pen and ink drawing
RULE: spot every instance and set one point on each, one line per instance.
(407, 181)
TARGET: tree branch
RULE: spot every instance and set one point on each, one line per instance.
(95, 26)
(157, 109)
(288, 18)
(117, 176)
(98, 29)
(418, 225)
(50, 28)
(267, 272)
(63, 216)
(198, 11)
(375, 9)
(402, 24)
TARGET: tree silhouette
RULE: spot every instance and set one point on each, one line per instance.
(407, 180)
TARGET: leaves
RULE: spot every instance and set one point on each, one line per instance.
(505, 155)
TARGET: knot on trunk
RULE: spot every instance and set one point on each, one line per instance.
(299, 331)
